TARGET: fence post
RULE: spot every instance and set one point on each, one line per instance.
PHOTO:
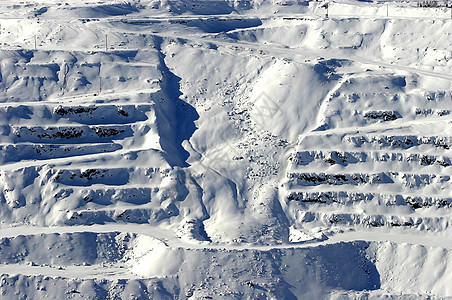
(65, 72)
(100, 78)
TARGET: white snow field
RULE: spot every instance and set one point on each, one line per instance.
(247, 149)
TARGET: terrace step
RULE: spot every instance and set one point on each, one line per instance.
(93, 114)
(128, 215)
(347, 158)
(77, 177)
(407, 180)
(350, 198)
(24, 151)
(344, 219)
(108, 196)
(71, 134)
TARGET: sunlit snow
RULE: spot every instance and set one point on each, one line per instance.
(246, 149)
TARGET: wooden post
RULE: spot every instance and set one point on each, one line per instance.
(100, 78)
(325, 6)
(36, 43)
(65, 72)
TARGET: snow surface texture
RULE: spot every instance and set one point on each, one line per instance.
(225, 149)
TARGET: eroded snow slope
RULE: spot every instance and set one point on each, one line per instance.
(225, 149)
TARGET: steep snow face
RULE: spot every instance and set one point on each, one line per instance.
(226, 149)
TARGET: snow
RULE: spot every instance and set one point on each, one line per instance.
(155, 259)
(155, 149)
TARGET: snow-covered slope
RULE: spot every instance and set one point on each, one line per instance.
(225, 149)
